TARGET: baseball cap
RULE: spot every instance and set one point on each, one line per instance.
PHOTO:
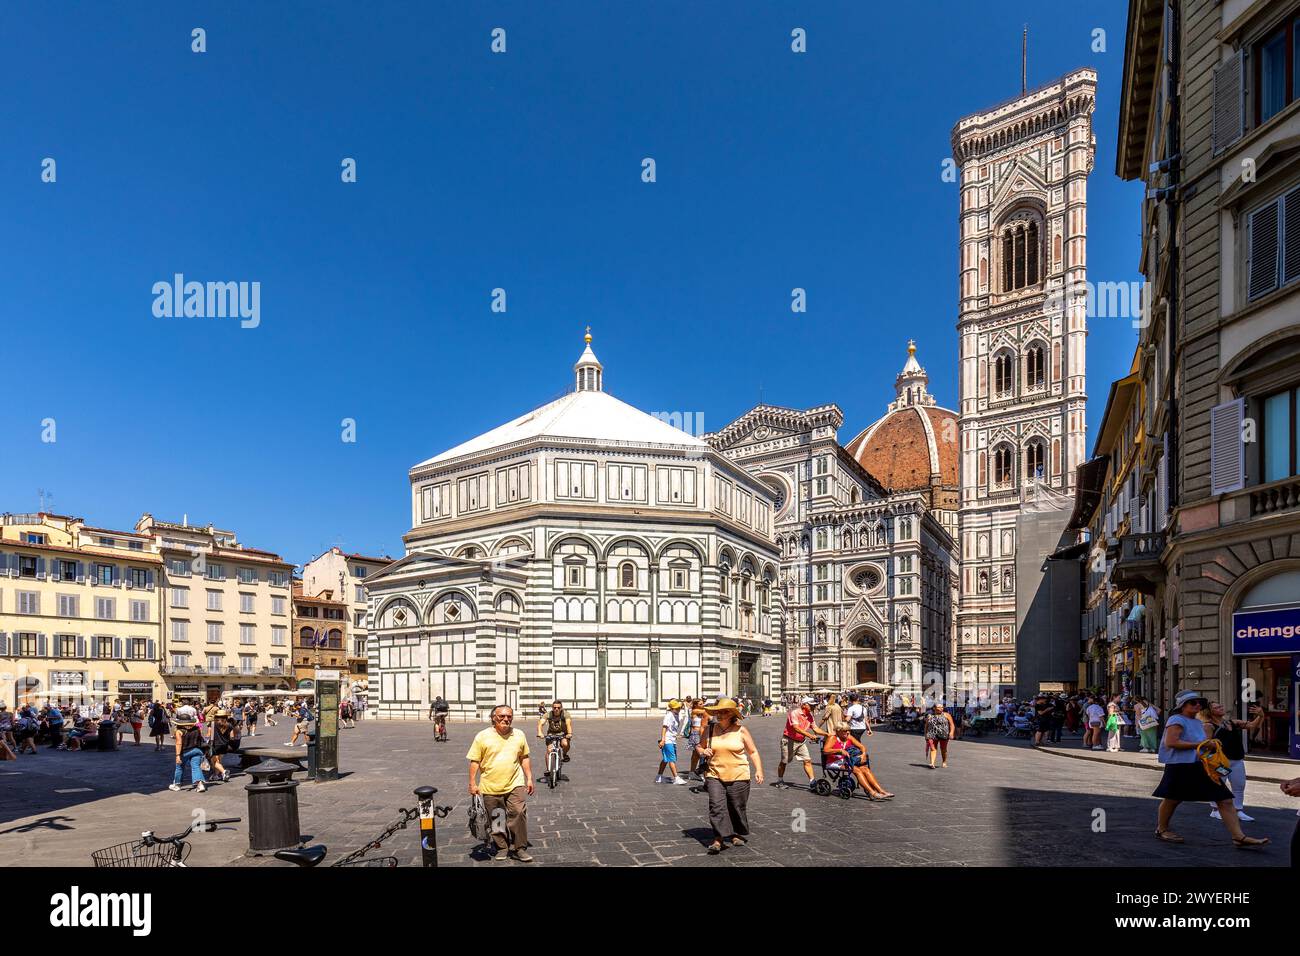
(674, 704)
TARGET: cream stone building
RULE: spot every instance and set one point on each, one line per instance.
(1022, 323)
(226, 611)
(1210, 124)
(79, 612)
(586, 551)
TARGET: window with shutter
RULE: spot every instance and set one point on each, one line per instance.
(1262, 236)
(1291, 236)
(1229, 120)
(1227, 452)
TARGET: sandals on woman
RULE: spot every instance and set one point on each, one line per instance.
(738, 841)
(715, 848)
(1169, 836)
(1249, 841)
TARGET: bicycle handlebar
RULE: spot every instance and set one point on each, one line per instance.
(149, 838)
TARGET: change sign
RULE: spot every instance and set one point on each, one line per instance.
(1274, 631)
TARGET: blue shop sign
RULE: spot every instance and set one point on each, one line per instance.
(1275, 631)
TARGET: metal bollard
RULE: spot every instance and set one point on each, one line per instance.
(311, 755)
(428, 830)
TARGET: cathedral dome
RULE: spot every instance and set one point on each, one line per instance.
(914, 446)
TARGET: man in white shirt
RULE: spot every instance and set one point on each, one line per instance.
(856, 715)
(668, 732)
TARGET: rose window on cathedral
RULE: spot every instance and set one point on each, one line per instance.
(867, 580)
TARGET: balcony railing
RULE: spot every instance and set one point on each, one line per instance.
(1137, 563)
(1279, 496)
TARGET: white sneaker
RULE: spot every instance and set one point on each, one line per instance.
(1245, 817)
(173, 786)
(201, 787)
(1215, 815)
(679, 781)
(659, 778)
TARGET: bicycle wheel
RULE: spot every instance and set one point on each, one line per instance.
(553, 768)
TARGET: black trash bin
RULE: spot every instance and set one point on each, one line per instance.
(107, 735)
(272, 808)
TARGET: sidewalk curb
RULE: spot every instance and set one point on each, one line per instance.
(1272, 777)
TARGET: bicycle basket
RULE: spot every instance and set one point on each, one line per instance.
(137, 854)
(384, 861)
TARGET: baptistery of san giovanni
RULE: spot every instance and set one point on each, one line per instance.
(587, 551)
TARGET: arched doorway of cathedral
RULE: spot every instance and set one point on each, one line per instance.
(861, 655)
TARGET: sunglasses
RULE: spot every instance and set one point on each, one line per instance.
(504, 720)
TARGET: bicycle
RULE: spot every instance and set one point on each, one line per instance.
(151, 851)
(310, 856)
(554, 758)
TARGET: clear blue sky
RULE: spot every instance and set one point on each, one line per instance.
(477, 171)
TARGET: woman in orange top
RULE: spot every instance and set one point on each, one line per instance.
(729, 749)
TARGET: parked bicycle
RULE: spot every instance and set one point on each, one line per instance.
(554, 758)
(152, 851)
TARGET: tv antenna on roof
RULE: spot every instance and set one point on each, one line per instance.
(45, 495)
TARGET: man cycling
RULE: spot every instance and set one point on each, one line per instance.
(438, 710)
(556, 723)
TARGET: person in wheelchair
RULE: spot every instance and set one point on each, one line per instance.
(842, 755)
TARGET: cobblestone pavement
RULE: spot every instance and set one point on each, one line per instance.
(999, 803)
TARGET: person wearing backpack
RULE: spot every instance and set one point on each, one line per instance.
(189, 748)
(157, 725)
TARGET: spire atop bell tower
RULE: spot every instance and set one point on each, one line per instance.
(588, 370)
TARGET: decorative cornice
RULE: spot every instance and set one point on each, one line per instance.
(1019, 120)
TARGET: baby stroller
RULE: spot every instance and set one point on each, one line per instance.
(1021, 726)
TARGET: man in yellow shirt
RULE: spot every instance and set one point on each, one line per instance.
(501, 770)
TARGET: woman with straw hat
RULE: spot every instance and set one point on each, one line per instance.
(729, 749)
(189, 748)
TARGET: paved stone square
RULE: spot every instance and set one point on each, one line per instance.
(1000, 803)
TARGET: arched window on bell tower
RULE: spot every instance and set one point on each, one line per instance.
(1022, 254)
(1035, 366)
(1003, 465)
(1035, 460)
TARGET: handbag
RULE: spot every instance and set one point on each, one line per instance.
(479, 824)
(702, 768)
(1216, 765)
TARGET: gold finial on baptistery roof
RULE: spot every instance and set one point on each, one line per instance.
(911, 346)
(587, 338)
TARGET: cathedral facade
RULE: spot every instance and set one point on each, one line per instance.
(1022, 325)
(866, 536)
